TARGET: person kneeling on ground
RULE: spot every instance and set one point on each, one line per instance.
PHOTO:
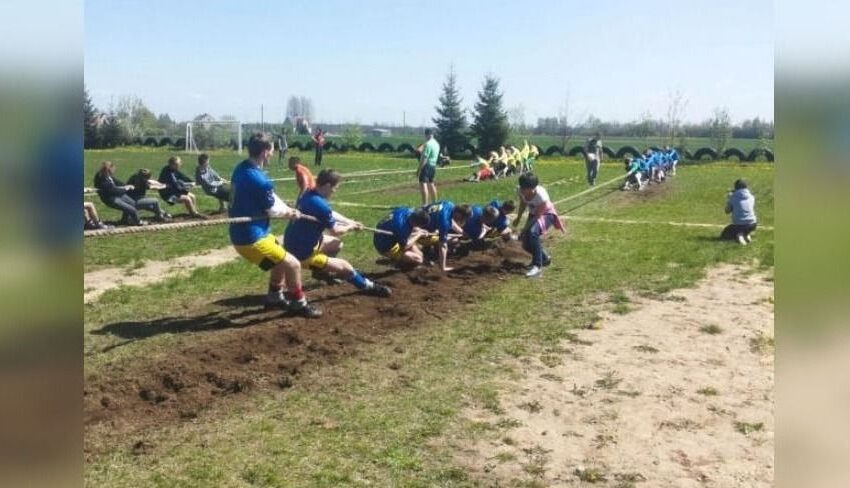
(496, 218)
(444, 218)
(254, 196)
(673, 156)
(541, 216)
(407, 226)
(483, 173)
(307, 242)
(633, 174)
(741, 204)
(177, 186)
(213, 184)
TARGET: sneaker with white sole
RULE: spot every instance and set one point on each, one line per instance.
(379, 290)
(276, 300)
(749, 238)
(742, 240)
(534, 272)
(304, 309)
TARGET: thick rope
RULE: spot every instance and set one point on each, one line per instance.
(198, 223)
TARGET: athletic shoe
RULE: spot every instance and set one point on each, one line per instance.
(742, 240)
(378, 290)
(534, 272)
(276, 300)
(304, 309)
(749, 237)
(547, 261)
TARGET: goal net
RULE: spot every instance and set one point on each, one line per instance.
(213, 134)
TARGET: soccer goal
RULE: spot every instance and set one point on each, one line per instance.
(213, 134)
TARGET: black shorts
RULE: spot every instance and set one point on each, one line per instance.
(427, 173)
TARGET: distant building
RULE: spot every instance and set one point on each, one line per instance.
(380, 132)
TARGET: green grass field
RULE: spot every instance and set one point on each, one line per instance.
(356, 421)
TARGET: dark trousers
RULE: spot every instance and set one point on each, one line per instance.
(731, 231)
(126, 205)
(532, 243)
(319, 151)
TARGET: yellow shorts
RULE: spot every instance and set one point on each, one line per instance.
(395, 253)
(265, 253)
(317, 260)
(429, 240)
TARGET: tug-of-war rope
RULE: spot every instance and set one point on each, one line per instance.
(200, 223)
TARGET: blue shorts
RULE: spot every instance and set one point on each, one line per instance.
(426, 175)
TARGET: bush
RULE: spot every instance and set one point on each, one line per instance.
(166, 141)
(366, 146)
(469, 148)
(607, 151)
(180, 143)
(405, 147)
(151, 141)
(386, 147)
(136, 141)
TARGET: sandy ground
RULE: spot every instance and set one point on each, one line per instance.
(97, 282)
(649, 398)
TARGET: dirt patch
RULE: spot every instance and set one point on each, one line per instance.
(95, 283)
(648, 396)
(246, 348)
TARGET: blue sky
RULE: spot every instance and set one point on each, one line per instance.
(370, 61)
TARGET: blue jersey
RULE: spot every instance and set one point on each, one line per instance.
(473, 226)
(502, 222)
(302, 236)
(673, 154)
(397, 223)
(642, 164)
(441, 218)
(252, 195)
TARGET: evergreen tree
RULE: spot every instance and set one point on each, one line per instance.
(450, 120)
(90, 132)
(490, 125)
(113, 133)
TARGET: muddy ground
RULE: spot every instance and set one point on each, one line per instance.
(246, 349)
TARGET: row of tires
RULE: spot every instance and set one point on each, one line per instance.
(699, 154)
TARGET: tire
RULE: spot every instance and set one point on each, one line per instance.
(702, 152)
(575, 151)
(627, 151)
(734, 153)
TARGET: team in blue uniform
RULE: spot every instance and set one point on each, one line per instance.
(307, 241)
(444, 218)
(407, 226)
(253, 196)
